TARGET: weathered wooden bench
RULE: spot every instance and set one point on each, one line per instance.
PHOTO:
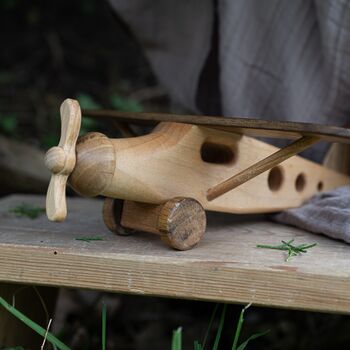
(226, 266)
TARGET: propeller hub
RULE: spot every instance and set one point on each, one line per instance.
(55, 159)
(60, 160)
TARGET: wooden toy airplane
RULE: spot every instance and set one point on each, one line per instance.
(163, 182)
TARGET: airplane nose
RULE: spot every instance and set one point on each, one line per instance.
(95, 164)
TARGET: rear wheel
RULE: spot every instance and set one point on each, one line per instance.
(112, 213)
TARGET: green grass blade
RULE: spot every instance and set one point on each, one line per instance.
(89, 239)
(197, 345)
(221, 325)
(104, 324)
(252, 337)
(27, 210)
(292, 250)
(239, 328)
(204, 342)
(307, 246)
(34, 326)
(176, 343)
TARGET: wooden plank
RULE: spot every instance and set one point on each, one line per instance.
(246, 126)
(226, 266)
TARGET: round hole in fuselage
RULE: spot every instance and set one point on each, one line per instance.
(320, 186)
(275, 178)
(300, 182)
(216, 153)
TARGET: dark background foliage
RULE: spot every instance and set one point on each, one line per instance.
(52, 50)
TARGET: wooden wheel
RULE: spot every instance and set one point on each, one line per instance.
(182, 223)
(112, 213)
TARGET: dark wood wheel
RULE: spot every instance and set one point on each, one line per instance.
(112, 213)
(182, 223)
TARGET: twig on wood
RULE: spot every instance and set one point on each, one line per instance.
(292, 250)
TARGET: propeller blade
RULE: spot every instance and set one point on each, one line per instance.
(56, 207)
(61, 160)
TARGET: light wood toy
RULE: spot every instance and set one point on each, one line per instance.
(163, 182)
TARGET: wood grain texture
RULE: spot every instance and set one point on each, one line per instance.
(95, 164)
(261, 166)
(246, 126)
(61, 160)
(338, 158)
(112, 216)
(226, 266)
(180, 222)
(180, 160)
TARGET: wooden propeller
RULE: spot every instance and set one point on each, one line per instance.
(60, 160)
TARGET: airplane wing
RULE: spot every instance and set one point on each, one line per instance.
(246, 126)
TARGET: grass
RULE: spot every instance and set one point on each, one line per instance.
(176, 343)
(177, 334)
(34, 326)
(89, 238)
(238, 332)
(221, 326)
(44, 332)
(292, 250)
(27, 210)
(104, 326)
(47, 336)
(210, 325)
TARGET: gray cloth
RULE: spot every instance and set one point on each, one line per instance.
(327, 213)
(176, 38)
(277, 60)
